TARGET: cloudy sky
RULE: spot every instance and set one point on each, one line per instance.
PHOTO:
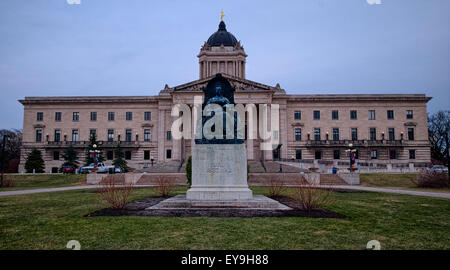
(135, 47)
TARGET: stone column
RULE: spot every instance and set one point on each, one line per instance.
(282, 133)
(161, 137)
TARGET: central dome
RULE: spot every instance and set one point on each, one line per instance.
(222, 36)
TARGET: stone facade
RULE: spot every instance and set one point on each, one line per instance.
(387, 130)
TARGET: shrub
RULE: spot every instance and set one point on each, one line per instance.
(7, 181)
(189, 171)
(431, 180)
(276, 187)
(310, 196)
(34, 162)
(164, 185)
(113, 195)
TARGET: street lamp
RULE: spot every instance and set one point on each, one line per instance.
(94, 155)
(351, 153)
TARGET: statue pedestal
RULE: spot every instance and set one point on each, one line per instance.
(219, 173)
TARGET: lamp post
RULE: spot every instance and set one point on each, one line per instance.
(351, 153)
(94, 155)
(3, 159)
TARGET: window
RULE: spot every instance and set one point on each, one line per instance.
(409, 114)
(275, 134)
(316, 115)
(392, 154)
(75, 135)
(147, 116)
(298, 134)
(373, 134)
(169, 135)
(412, 154)
(56, 155)
(390, 114)
(298, 154)
(317, 134)
(76, 116)
(147, 135)
(146, 155)
(93, 116)
(411, 134)
(336, 154)
(110, 135)
(111, 116)
(354, 132)
(335, 134)
(391, 132)
(335, 115)
(129, 116)
(128, 155)
(168, 154)
(373, 154)
(57, 135)
(297, 115)
(372, 115)
(40, 116)
(92, 132)
(318, 154)
(58, 116)
(110, 155)
(353, 115)
(128, 135)
(39, 135)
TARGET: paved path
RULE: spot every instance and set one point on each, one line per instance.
(374, 189)
(396, 191)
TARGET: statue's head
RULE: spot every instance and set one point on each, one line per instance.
(219, 89)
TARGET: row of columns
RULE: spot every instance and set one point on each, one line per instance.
(207, 69)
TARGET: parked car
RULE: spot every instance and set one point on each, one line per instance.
(68, 169)
(438, 169)
(101, 168)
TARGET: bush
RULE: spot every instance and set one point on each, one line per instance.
(7, 181)
(310, 196)
(189, 171)
(276, 187)
(112, 195)
(431, 180)
(164, 186)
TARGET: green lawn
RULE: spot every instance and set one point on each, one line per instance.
(45, 181)
(399, 181)
(49, 220)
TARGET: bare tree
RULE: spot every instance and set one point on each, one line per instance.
(439, 135)
(12, 147)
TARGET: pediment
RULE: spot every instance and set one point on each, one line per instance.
(238, 84)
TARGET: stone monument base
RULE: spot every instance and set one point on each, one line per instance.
(257, 202)
(219, 172)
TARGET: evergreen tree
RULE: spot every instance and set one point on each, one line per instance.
(34, 162)
(119, 160)
(92, 141)
(71, 157)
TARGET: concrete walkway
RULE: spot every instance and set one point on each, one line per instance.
(396, 191)
(373, 189)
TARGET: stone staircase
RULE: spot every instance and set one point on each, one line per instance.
(331, 180)
(167, 167)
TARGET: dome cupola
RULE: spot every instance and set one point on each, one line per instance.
(222, 37)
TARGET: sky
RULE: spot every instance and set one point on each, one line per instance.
(135, 47)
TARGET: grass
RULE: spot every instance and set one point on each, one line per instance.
(50, 220)
(45, 181)
(398, 181)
